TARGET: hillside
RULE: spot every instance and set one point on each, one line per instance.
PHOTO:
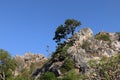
(92, 57)
(83, 56)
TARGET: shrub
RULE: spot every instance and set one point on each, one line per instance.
(61, 51)
(92, 63)
(108, 68)
(103, 36)
(71, 75)
(48, 76)
(24, 75)
(7, 65)
(67, 65)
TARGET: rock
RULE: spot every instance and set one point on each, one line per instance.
(27, 60)
(84, 68)
(108, 52)
(115, 45)
(82, 35)
(85, 47)
(113, 36)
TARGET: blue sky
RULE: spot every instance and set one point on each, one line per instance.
(29, 25)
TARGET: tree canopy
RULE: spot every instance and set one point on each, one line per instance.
(67, 28)
(7, 65)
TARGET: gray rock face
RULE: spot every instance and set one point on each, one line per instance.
(85, 47)
(82, 35)
(76, 54)
(79, 38)
(115, 45)
(113, 36)
(26, 61)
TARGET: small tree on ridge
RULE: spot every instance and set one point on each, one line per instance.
(63, 31)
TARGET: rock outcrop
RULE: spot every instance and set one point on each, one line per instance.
(85, 47)
(25, 61)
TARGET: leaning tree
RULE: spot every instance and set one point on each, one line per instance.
(64, 30)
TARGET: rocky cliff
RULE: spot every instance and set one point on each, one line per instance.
(28, 60)
(78, 50)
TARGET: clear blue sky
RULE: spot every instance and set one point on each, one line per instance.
(29, 25)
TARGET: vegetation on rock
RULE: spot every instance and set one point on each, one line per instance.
(48, 76)
(106, 68)
(67, 65)
(103, 36)
(81, 57)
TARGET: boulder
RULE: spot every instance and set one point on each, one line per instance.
(82, 35)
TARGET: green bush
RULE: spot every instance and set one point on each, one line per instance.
(103, 36)
(48, 76)
(67, 65)
(92, 63)
(7, 65)
(21, 78)
(24, 75)
(61, 51)
(107, 68)
(71, 75)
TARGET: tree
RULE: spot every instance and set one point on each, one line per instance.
(70, 25)
(59, 33)
(63, 31)
(8, 65)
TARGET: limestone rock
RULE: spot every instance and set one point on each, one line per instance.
(82, 35)
(115, 45)
(84, 47)
(27, 60)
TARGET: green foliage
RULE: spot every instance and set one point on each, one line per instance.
(64, 49)
(8, 66)
(107, 68)
(21, 78)
(83, 77)
(92, 63)
(58, 50)
(103, 36)
(61, 50)
(67, 65)
(63, 31)
(71, 75)
(24, 75)
(48, 76)
(86, 44)
(32, 68)
(70, 25)
(59, 34)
